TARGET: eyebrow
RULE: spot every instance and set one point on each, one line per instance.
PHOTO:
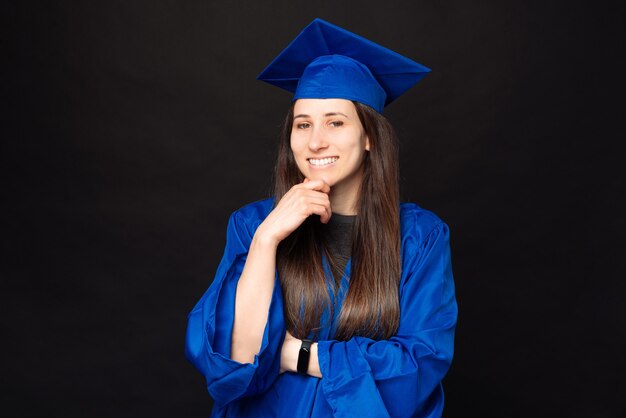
(325, 115)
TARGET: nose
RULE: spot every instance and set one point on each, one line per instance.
(317, 140)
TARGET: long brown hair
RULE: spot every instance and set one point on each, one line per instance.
(371, 306)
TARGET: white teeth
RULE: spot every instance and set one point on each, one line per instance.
(323, 161)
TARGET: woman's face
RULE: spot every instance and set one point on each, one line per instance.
(329, 143)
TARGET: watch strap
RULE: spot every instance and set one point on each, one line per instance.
(303, 356)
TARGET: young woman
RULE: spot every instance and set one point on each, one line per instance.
(332, 298)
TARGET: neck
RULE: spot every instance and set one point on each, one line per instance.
(344, 197)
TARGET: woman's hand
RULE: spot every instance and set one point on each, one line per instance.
(301, 201)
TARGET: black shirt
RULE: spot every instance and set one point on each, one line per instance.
(338, 237)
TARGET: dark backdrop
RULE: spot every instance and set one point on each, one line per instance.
(134, 128)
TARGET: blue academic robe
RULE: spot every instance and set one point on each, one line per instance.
(398, 377)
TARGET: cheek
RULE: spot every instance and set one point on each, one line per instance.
(296, 152)
(296, 145)
(356, 145)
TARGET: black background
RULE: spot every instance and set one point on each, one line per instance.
(134, 128)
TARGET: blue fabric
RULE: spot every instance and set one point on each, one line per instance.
(338, 76)
(399, 377)
(325, 61)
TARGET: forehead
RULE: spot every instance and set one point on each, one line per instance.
(315, 107)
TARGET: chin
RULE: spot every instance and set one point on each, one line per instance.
(326, 179)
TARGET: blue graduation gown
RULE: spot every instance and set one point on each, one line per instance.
(398, 377)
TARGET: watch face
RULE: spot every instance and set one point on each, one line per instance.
(303, 356)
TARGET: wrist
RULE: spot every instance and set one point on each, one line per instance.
(290, 351)
(263, 238)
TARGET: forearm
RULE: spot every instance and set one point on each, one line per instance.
(253, 297)
(256, 283)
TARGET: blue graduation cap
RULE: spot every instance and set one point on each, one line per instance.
(325, 61)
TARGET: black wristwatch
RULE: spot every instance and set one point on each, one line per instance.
(303, 356)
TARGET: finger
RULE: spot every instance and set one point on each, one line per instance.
(323, 211)
(311, 184)
(320, 199)
(326, 218)
(325, 188)
(319, 210)
(314, 197)
(319, 185)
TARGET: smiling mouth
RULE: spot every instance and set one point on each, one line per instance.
(320, 162)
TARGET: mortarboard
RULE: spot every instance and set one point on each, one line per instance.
(325, 61)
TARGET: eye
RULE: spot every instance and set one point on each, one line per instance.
(336, 123)
(303, 125)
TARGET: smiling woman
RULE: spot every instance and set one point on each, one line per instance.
(332, 298)
(329, 144)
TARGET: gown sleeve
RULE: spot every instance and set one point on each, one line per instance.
(210, 324)
(401, 376)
